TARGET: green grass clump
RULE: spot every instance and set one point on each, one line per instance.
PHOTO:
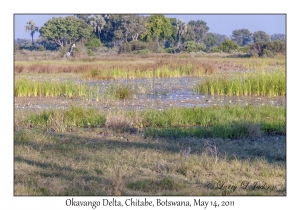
(28, 88)
(224, 122)
(71, 117)
(218, 122)
(251, 84)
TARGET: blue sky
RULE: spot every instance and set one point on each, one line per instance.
(218, 23)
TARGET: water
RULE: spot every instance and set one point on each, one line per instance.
(158, 93)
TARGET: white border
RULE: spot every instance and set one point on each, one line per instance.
(8, 201)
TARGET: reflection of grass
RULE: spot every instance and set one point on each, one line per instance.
(256, 83)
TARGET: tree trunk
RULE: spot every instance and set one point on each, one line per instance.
(178, 44)
(99, 34)
(157, 44)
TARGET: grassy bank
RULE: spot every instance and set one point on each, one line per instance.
(248, 84)
(216, 122)
(87, 160)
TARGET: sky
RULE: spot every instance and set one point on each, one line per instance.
(217, 23)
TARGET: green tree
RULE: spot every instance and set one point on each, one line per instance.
(158, 26)
(65, 30)
(280, 37)
(210, 40)
(228, 46)
(181, 29)
(191, 46)
(260, 36)
(98, 22)
(132, 26)
(85, 17)
(197, 30)
(241, 37)
(31, 28)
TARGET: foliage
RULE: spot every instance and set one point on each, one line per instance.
(158, 26)
(131, 27)
(181, 27)
(228, 46)
(280, 37)
(259, 47)
(192, 46)
(241, 37)
(277, 46)
(94, 43)
(210, 40)
(31, 28)
(98, 22)
(260, 36)
(197, 30)
(137, 46)
(65, 30)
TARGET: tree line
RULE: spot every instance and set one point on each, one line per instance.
(141, 34)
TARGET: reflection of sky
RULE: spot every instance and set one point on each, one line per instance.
(222, 24)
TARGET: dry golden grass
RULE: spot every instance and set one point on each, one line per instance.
(86, 162)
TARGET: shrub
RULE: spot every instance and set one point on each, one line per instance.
(94, 43)
(268, 53)
(41, 48)
(137, 46)
(277, 46)
(191, 46)
(215, 50)
(259, 47)
(90, 52)
(228, 46)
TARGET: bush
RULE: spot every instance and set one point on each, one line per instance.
(268, 53)
(259, 47)
(41, 48)
(137, 46)
(94, 43)
(90, 52)
(277, 46)
(170, 50)
(192, 46)
(145, 51)
(215, 50)
(228, 46)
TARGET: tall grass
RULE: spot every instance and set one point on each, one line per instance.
(272, 83)
(28, 88)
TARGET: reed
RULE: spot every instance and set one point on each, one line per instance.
(265, 83)
(28, 88)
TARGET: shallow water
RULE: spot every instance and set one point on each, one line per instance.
(158, 93)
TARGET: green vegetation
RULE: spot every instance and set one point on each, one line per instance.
(216, 122)
(249, 84)
(28, 88)
(64, 149)
(77, 150)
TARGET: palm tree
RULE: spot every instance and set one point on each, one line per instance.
(98, 23)
(31, 27)
(181, 29)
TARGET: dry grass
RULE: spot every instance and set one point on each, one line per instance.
(85, 163)
(193, 66)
